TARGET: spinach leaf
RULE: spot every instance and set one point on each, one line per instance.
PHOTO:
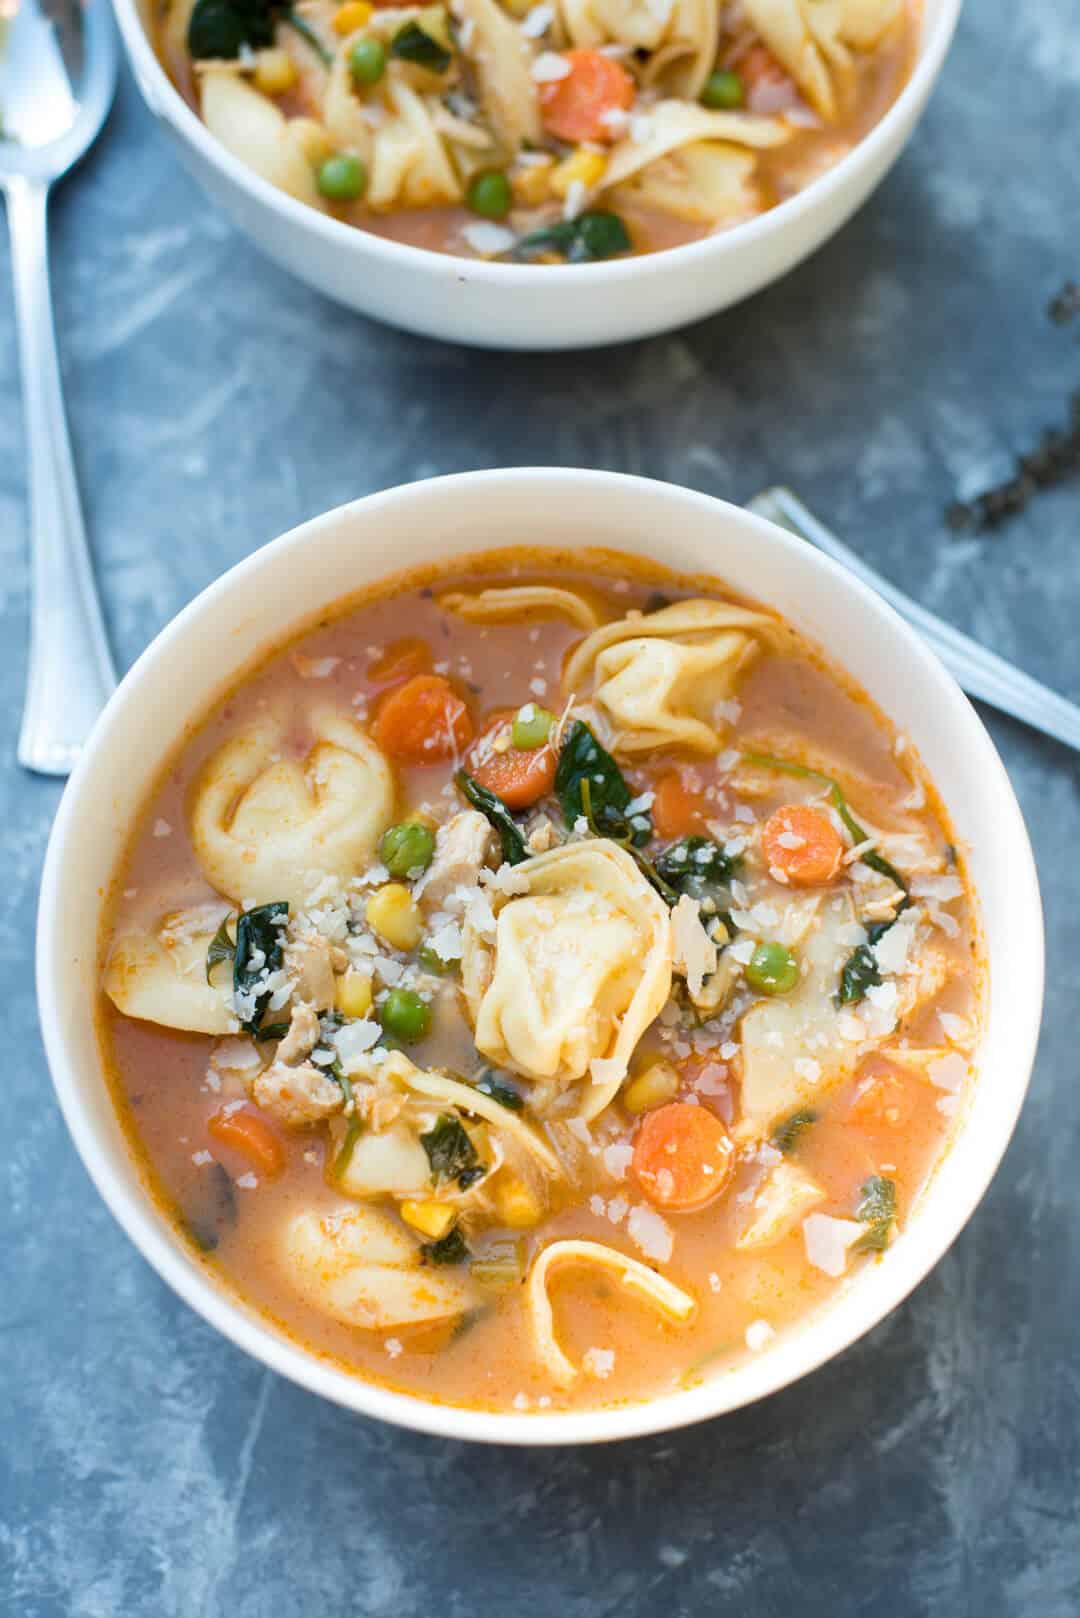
(877, 1211)
(450, 1152)
(494, 1085)
(497, 814)
(259, 950)
(272, 1030)
(218, 1211)
(450, 1249)
(412, 44)
(786, 1134)
(695, 865)
(877, 862)
(221, 29)
(589, 783)
(860, 972)
(221, 947)
(591, 236)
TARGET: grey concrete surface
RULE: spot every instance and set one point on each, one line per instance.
(146, 1467)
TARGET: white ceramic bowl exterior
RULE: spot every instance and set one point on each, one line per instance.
(535, 306)
(279, 588)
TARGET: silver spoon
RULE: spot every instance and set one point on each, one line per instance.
(57, 75)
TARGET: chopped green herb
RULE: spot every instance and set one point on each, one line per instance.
(495, 811)
(412, 44)
(493, 1085)
(877, 1211)
(591, 236)
(589, 783)
(787, 1133)
(450, 1152)
(695, 865)
(271, 1030)
(259, 951)
(221, 947)
(877, 862)
(348, 1144)
(450, 1249)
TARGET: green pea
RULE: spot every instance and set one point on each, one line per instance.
(342, 178)
(531, 727)
(404, 1015)
(367, 61)
(406, 847)
(722, 91)
(772, 969)
(489, 194)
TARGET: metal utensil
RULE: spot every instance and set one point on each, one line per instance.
(981, 673)
(57, 75)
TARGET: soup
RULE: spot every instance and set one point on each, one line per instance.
(537, 988)
(544, 130)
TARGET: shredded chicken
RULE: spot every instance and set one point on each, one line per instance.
(462, 848)
(293, 1089)
(311, 961)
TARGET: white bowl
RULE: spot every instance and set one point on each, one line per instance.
(535, 306)
(293, 580)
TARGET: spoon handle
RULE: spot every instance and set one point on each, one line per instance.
(71, 671)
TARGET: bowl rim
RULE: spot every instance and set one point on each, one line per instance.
(135, 1211)
(447, 267)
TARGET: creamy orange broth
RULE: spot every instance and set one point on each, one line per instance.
(887, 1119)
(812, 146)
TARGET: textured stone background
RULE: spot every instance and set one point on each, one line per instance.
(147, 1467)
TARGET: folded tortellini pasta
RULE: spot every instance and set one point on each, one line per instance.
(813, 39)
(265, 826)
(671, 125)
(361, 1267)
(503, 63)
(497, 606)
(253, 129)
(579, 966)
(660, 679)
(160, 975)
(705, 183)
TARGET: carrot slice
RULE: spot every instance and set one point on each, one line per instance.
(400, 661)
(519, 776)
(803, 843)
(683, 1156)
(423, 721)
(248, 1133)
(676, 810)
(577, 106)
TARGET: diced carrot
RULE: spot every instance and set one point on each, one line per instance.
(248, 1133)
(683, 1156)
(519, 776)
(676, 810)
(400, 661)
(423, 721)
(577, 106)
(803, 843)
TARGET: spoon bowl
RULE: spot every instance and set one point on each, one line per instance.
(57, 74)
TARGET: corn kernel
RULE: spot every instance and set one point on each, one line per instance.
(658, 1084)
(395, 916)
(312, 140)
(431, 1219)
(516, 1204)
(531, 184)
(352, 994)
(586, 168)
(275, 72)
(352, 15)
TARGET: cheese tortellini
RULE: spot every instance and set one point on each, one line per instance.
(363, 1268)
(265, 826)
(579, 966)
(160, 976)
(682, 35)
(661, 679)
(253, 129)
(814, 40)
